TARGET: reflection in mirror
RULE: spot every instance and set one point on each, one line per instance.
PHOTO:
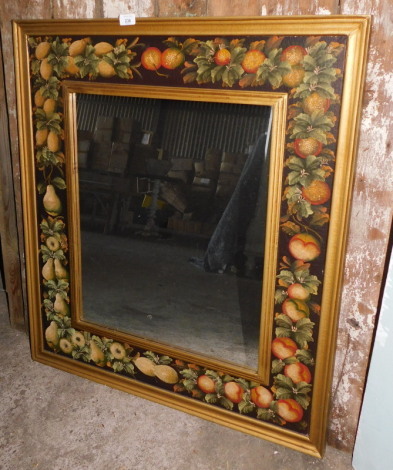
(172, 204)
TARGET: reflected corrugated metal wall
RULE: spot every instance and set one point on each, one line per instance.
(184, 129)
(89, 107)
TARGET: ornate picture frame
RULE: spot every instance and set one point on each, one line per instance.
(311, 70)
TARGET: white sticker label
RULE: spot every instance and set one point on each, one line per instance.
(127, 20)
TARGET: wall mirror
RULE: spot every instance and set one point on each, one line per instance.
(186, 188)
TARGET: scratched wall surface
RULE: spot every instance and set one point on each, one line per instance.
(373, 188)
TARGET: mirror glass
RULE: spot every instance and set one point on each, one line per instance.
(173, 198)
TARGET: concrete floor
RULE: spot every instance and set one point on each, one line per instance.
(51, 420)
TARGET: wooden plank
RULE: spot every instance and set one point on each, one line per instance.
(369, 226)
(76, 9)
(299, 7)
(181, 7)
(233, 8)
(8, 228)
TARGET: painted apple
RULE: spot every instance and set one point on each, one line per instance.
(261, 396)
(304, 246)
(297, 291)
(290, 410)
(284, 347)
(206, 384)
(298, 372)
(295, 309)
(234, 392)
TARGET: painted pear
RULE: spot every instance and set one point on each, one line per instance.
(51, 335)
(60, 305)
(97, 355)
(51, 201)
(60, 271)
(48, 270)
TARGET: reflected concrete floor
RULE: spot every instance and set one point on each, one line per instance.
(148, 287)
(51, 420)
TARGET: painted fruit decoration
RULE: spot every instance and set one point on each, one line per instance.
(317, 192)
(298, 291)
(261, 396)
(304, 246)
(234, 392)
(298, 372)
(282, 348)
(290, 410)
(222, 56)
(316, 103)
(206, 384)
(253, 60)
(151, 58)
(307, 72)
(51, 201)
(307, 146)
(172, 58)
(294, 55)
(295, 309)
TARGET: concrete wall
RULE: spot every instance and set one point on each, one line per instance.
(373, 190)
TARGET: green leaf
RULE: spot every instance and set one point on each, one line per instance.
(226, 403)
(319, 219)
(189, 374)
(303, 388)
(46, 251)
(283, 321)
(283, 332)
(243, 382)
(311, 284)
(150, 355)
(283, 394)
(237, 54)
(129, 368)
(284, 382)
(211, 398)
(59, 182)
(189, 384)
(302, 336)
(286, 277)
(246, 407)
(165, 360)
(275, 78)
(265, 414)
(277, 366)
(217, 73)
(305, 356)
(213, 375)
(279, 296)
(302, 400)
(317, 134)
(290, 228)
(35, 67)
(41, 188)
